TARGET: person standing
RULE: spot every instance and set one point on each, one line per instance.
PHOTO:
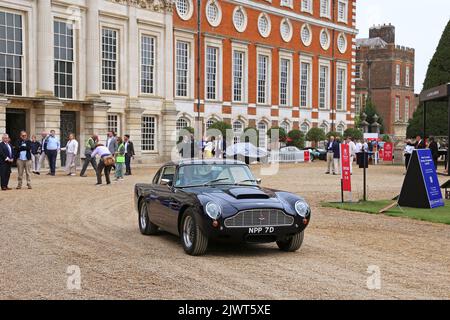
(104, 153)
(120, 159)
(409, 148)
(111, 142)
(6, 160)
(35, 154)
(209, 150)
(71, 155)
(352, 147)
(52, 149)
(23, 159)
(43, 154)
(337, 155)
(91, 142)
(331, 146)
(433, 146)
(420, 143)
(129, 154)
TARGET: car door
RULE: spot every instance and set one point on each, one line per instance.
(162, 199)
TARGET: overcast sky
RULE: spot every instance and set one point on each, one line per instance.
(419, 25)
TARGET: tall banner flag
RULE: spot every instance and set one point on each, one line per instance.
(345, 168)
(388, 153)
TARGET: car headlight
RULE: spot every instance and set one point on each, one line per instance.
(301, 208)
(213, 210)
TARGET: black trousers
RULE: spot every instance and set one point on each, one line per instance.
(127, 164)
(107, 169)
(5, 173)
(51, 156)
(88, 160)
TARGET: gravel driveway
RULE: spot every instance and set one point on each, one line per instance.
(67, 221)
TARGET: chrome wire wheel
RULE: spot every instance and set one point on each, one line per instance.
(188, 231)
(143, 217)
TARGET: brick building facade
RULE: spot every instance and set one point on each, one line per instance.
(267, 63)
(385, 71)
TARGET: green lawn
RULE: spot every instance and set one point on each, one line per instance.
(439, 215)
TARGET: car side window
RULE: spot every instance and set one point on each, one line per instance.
(156, 178)
(168, 173)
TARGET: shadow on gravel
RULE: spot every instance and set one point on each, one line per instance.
(230, 249)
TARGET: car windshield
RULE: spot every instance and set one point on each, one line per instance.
(213, 174)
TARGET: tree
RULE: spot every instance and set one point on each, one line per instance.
(222, 127)
(354, 133)
(296, 138)
(282, 133)
(438, 74)
(315, 135)
(386, 138)
(370, 110)
(334, 134)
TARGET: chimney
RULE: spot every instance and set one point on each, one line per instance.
(385, 32)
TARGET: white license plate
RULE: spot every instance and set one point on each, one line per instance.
(261, 230)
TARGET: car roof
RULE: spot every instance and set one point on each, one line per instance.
(184, 162)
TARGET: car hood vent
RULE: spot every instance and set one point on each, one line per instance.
(248, 193)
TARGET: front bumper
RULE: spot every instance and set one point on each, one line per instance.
(257, 234)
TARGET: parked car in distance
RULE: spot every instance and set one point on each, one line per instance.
(317, 153)
(200, 200)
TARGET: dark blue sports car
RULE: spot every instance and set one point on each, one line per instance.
(200, 200)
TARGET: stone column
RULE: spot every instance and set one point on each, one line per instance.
(48, 116)
(169, 119)
(169, 112)
(45, 86)
(168, 57)
(93, 51)
(133, 48)
(134, 122)
(95, 119)
(3, 104)
(400, 129)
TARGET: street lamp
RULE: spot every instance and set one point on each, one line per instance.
(369, 69)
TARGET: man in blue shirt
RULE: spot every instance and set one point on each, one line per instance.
(52, 148)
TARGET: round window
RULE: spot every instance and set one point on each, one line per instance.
(239, 19)
(264, 25)
(324, 40)
(306, 35)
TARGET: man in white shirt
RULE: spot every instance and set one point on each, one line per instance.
(103, 152)
(352, 147)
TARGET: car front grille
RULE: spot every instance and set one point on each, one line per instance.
(259, 218)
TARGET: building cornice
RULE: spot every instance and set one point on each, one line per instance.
(293, 15)
(152, 5)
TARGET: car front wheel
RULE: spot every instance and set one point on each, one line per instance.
(291, 244)
(145, 225)
(194, 240)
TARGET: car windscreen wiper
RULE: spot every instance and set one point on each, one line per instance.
(214, 181)
(203, 184)
(243, 182)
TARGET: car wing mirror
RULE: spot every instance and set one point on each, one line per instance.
(259, 181)
(166, 182)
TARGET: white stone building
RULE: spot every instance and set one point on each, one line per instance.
(86, 66)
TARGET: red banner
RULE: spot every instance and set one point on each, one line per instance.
(388, 153)
(345, 168)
